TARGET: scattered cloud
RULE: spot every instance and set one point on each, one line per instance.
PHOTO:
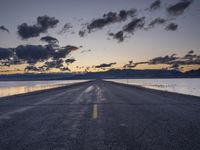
(104, 65)
(30, 55)
(175, 62)
(171, 27)
(155, 5)
(50, 40)
(134, 25)
(44, 23)
(85, 51)
(157, 21)
(119, 36)
(3, 28)
(179, 8)
(110, 18)
(70, 60)
(82, 33)
(67, 27)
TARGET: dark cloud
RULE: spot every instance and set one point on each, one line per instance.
(179, 8)
(124, 14)
(119, 36)
(65, 69)
(157, 21)
(130, 28)
(54, 64)
(70, 61)
(190, 55)
(63, 51)
(163, 60)
(31, 68)
(171, 27)
(109, 18)
(50, 40)
(5, 53)
(130, 65)
(105, 65)
(48, 65)
(67, 27)
(3, 28)
(100, 23)
(175, 62)
(82, 33)
(155, 5)
(174, 67)
(43, 24)
(51, 57)
(134, 25)
(32, 53)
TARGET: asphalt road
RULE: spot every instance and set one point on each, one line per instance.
(100, 115)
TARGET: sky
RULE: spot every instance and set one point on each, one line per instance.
(93, 35)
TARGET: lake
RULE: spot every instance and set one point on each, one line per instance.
(8, 88)
(184, 86)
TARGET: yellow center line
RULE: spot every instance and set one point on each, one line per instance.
(95, 112)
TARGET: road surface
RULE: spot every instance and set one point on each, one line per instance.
(100, 115)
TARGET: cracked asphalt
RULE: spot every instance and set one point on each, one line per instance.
(100, 115)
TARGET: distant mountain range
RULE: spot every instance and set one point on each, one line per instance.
(111, 74)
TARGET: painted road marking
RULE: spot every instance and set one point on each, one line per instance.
(95, 112)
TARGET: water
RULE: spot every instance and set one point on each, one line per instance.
(8, 88)
(184, 86)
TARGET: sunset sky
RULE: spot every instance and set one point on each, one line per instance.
(99, 35)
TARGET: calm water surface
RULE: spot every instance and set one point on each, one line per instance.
(184, 86)
(8, 88)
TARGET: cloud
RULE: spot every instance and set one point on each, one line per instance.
(84, 51)
(63, 51)
(174, 67)
(157, 21)
(70, 61)
(155, 5)
(105, 65)
(110, 18)
(179, 8)
(190, 55)
(66, 28)
(32, 53)
(65, 69)
(31, 68)
(44, 23)
(130, 28)
(5, 53)
(51, 57)
(3, 28)
(48, 65)
(50, 40)
(54, 64)
(119, 36)
(82, 33)
(171, 27)
(175, 62)
(134, 25)
(163, 60)
(130, 65)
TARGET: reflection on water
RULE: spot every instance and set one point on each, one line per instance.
(8, 88)
(184, 86)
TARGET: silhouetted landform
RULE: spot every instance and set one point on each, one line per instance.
(33, 77)
(111, 74)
